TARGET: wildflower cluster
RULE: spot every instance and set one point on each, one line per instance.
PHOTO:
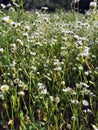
(48, 70)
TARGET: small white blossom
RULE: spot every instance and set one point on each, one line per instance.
(33, 68)
(63, 82)
(51, 98)
(1, 50)
(1, 96)
(20, 42)
(8, 20)
(70, 90)
(3, 6)
(93, 5)
(21, 93)
(73, 118)
(87, 111)
(84, 84)
(74, 101)
(13, 47)
(27, 27)
(57, 100)
(58, 68)
(16, 81)
(44, 8)
(86, 73)
(85, 103)
(86, 51)
(80, 67)
(76, 37)
(42, 88)
(43, 91)
(25, 34)
(21, 84)
(94, 127)
(69, 126)
(4, 88)
(33, 53)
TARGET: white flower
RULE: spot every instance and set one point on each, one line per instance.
(43, 91)
(40, 84)
(38, 44)
(25, 34)
(8, 5)
(76, 37)
(58, 68)
(13, 47)
(8, 20)
(70, 90)
(63, 82)
(51, 98)
(42, 88)
(69, 126)
(80, 67)
(15, 4)
(3, 6)
(85, 103)
(21, 93)
(13, 64)
(57, 100)
(44, 8)
(84, 84)
(73, 118)
(87, 111)
(10, 122)
(86, 51)
(20, 42)
(93, 5)
(66, 90)
(86, 73)
(33, 53)
(94, 127)
(1, 96)
(1, 50)
(33, 68)
(27, 27)
(16, 81)
(4, 87)
(56, 62)
(74, 101)
(80, 42)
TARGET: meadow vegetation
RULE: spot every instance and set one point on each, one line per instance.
(48, 70)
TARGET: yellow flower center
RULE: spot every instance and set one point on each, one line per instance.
(10, 21)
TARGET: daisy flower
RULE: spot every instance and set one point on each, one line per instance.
(8, 20)
(4, 88)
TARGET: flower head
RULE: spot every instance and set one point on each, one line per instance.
(94, 127)
(42, 88)
(7, 20)
(44, 8)
(21, 93)
(85, 103)
(93, 5)
(10, 122)
(3, 6)
(4, 88)
(16, 81)
(1, 50)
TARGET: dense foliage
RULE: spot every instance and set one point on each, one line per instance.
(48, 70)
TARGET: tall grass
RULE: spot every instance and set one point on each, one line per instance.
(48, 71)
